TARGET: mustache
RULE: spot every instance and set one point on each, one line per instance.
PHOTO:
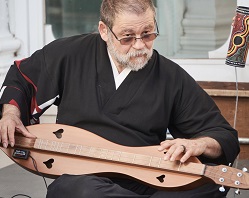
(138, 53)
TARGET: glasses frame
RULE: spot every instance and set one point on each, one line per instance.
(135, 38)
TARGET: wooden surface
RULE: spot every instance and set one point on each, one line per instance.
(224, 95)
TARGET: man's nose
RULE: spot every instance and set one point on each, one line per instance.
(139, 44)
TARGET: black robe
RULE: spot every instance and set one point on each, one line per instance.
(75, 74)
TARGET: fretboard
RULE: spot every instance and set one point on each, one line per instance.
(118, 156)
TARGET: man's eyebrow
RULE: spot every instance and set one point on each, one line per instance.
(149, 26)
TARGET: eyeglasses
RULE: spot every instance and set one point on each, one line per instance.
(132, 39)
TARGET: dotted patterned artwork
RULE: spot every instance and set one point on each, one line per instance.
(239, 42)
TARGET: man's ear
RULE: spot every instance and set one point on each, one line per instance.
(103, 31)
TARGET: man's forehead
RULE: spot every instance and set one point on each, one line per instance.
(133, 22)
(133, 18)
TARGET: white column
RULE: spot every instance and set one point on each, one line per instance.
(169, 17)
(206, 26)
(8, 44)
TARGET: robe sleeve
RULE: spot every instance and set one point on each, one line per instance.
(35, 83)
(196, 115)
(29, 87)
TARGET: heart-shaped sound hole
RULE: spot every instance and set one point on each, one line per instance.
(49, 163)
(161, 178)
(58, 133)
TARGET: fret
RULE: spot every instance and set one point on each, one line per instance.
(126, 157)
(59, 148)
(79, 148)
(170, 165)
(75, 150)
(67, 148)
(38, 144)
(150, 161)
(99, 153)
(53, 146)
(50, 146)
(86, 151)
(119, 156)
(116, 156)
(142, 160)
(90, 150)
(103, 153)
(71, 149)
(43, 145)
(159, 162)
(110, 155)
(96, 152)
(133, 160)
(80, 151)
(46, 145)
(64, 147)
(155, 161)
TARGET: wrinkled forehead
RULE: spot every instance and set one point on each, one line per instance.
(127, 18)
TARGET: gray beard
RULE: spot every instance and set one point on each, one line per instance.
(124, 59)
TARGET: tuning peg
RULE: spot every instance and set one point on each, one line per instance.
(244, 169)
(222, 189)
(237, 192)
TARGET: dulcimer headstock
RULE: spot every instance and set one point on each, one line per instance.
(228, 176)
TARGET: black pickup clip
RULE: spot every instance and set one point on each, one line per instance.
(21, 154)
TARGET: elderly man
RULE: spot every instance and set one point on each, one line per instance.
(115, 85)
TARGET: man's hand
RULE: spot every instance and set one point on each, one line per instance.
(183, 149)
(11, 123)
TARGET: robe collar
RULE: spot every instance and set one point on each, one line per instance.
(110, 98)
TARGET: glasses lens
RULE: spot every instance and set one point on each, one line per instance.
(131, 40)
(149, 37)
(127, 40)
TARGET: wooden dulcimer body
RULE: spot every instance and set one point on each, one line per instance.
(61, 149)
